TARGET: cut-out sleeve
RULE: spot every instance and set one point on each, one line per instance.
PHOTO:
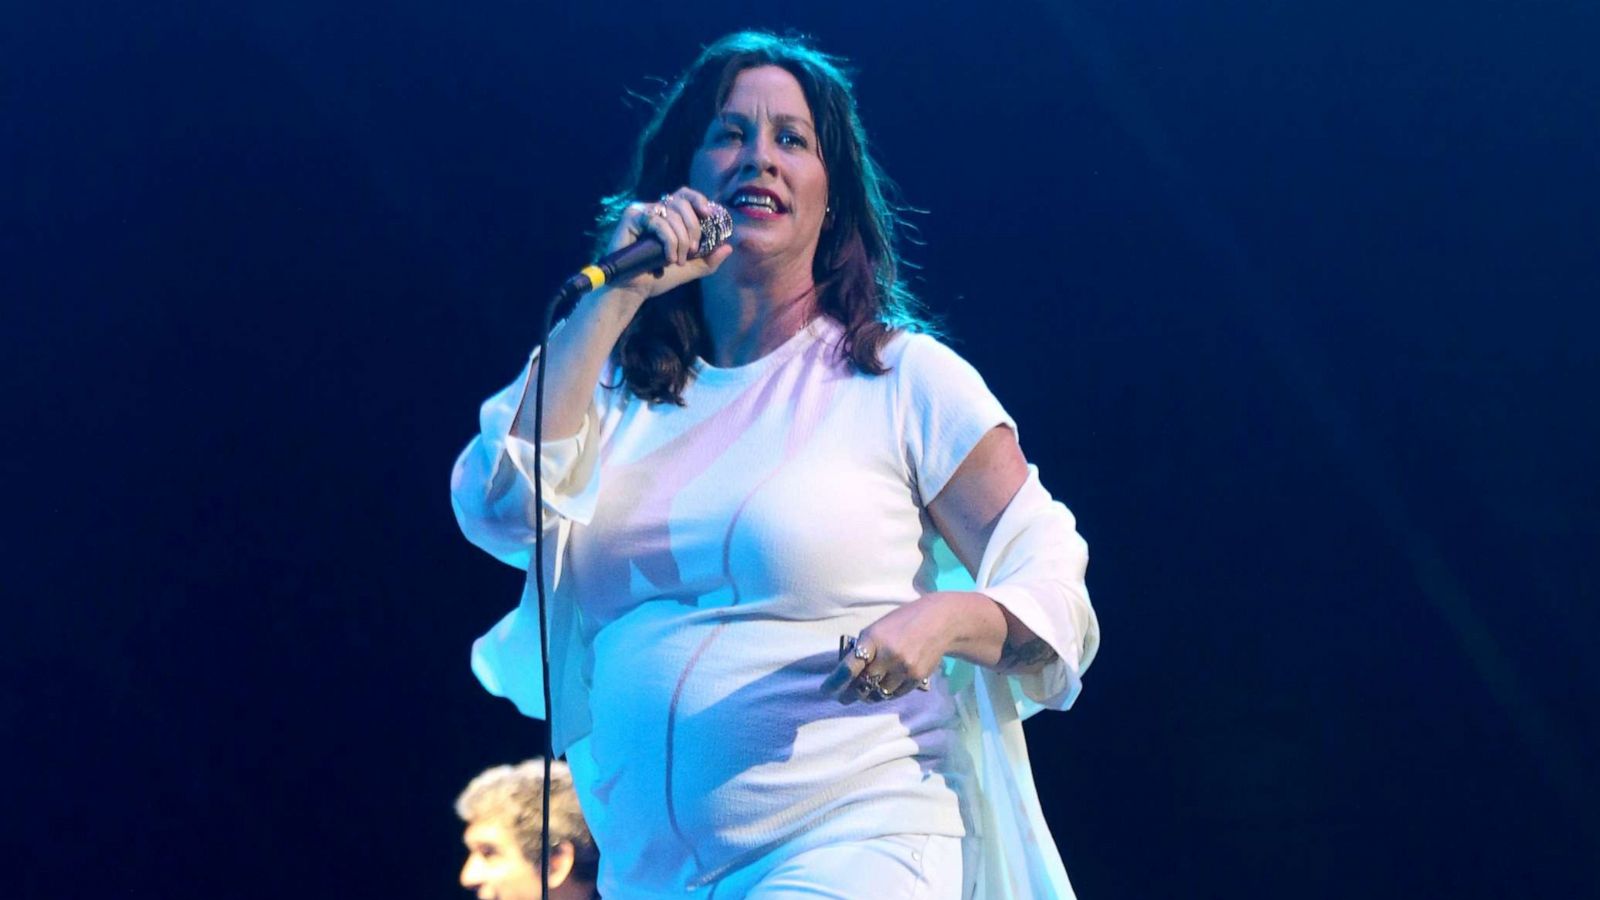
(944, 408)
(491, 487)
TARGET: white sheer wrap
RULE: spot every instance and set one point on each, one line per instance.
(1034, 567)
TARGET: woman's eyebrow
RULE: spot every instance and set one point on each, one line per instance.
(790, 119)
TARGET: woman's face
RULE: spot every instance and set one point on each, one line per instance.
(761, 159)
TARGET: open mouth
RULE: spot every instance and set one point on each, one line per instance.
(756, 200)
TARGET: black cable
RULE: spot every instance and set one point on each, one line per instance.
(538, 567)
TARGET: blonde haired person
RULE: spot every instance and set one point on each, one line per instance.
(503, 811)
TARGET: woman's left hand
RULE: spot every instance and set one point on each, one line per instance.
(899, 652)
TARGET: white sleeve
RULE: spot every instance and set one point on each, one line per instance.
(945, 409)
(1035, 560)
(491, 487)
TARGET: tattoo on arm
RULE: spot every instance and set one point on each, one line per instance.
(1026, 656)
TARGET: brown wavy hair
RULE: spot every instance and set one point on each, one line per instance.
(857, 264)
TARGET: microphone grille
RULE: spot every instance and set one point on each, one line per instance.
(715, 230)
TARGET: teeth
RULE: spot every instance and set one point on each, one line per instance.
(746, 199)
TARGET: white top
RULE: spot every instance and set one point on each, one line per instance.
(706, 558)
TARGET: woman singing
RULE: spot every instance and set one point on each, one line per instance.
(752, 459)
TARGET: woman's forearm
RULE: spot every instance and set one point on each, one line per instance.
(983, 632)
(578, 352)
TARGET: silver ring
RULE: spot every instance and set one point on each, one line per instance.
(658, 210)
(861, 652)
(924, 684)
(876, 684)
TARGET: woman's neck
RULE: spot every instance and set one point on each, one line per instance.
(746, 320)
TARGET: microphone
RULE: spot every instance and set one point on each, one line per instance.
(645, 255)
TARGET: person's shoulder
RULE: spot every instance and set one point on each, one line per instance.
(918, 356)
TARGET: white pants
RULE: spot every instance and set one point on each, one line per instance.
(897, 867)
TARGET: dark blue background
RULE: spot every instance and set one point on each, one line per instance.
(1295, 304)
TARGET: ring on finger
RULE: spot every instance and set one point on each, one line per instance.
(659, 211)
(862, 652)
(875, 683)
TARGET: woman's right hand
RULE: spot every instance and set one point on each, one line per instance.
(675, 221)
